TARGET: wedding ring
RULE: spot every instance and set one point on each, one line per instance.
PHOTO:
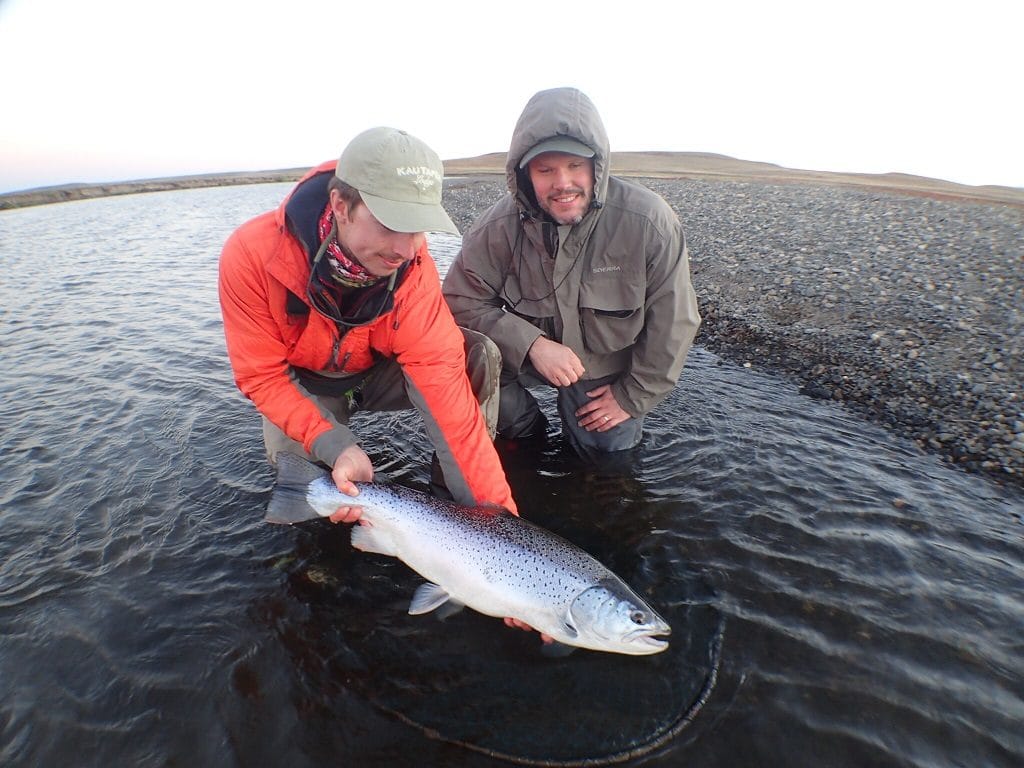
(606, 418)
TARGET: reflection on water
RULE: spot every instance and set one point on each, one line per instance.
(867, 598)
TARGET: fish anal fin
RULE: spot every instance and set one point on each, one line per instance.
(373, 538)
(428, 597)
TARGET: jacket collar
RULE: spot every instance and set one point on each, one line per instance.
(302, 208)
(299, 214)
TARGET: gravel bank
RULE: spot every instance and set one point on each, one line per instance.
(906, 309)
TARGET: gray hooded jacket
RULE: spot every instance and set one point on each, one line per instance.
(615, 287)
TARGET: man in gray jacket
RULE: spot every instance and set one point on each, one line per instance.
(580, 278)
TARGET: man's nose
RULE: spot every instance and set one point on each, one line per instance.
(563, 178)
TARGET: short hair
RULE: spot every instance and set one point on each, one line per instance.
(348, 193)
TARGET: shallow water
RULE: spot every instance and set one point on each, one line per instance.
(837, 597)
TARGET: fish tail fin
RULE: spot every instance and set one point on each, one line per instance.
(288, 501)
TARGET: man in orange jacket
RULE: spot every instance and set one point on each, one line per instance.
(332, 304)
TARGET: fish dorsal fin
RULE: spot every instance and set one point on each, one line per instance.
(428, 596)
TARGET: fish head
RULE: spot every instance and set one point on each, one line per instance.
(609, 616)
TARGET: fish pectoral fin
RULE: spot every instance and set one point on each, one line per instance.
(428, 596)
(570, 630)
(373, 538)
(556, 650)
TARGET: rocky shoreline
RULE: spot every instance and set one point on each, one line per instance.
(907, 309)
(902, 301)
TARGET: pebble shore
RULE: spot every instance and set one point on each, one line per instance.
(907, 309)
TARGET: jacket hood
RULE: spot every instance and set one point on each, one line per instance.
(301, 210)
(556, 112)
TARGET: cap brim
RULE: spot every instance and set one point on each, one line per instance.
(564, 144)
(409, 217)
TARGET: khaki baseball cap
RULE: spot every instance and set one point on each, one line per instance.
(399, 178)
(565, 144)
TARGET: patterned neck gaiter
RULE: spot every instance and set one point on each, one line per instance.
(337, 268)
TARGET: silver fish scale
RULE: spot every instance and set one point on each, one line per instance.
(488, 560)
(504, 548)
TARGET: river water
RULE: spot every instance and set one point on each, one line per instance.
(837, 597)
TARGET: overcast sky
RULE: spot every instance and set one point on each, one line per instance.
(103, 90)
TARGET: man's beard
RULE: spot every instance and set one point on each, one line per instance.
(571, 221)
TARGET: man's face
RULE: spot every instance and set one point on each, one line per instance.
(380, 250)
(563, 185)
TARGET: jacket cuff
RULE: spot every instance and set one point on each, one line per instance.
(331, 443)
(626, 403)
(518, 336)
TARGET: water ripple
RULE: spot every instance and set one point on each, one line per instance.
(871, 597)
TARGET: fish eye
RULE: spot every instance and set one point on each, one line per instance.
(638, 617)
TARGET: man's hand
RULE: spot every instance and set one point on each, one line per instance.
(555, 362)
(602, 412)
(351, 466)
(510, 622)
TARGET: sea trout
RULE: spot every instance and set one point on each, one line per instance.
(485, 558)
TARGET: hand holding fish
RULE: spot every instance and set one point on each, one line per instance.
(497, 564)
(351, 466)
(517, 624)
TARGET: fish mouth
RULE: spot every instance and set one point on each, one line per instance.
(648, 639)
(656, 645)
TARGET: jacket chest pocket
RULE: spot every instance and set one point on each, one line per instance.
(611, 314)
(318, 347)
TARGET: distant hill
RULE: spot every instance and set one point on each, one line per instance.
(683, 165)
(59, 194)
(704, 165)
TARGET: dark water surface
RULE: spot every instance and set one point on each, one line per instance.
(837, 597)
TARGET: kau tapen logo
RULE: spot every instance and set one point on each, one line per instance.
(423, 177)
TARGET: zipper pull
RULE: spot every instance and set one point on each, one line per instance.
(336, 349)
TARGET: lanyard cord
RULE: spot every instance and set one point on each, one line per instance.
(518, 249)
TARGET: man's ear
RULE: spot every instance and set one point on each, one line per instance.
(339, 207)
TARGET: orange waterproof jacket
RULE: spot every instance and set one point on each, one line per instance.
(262, 262)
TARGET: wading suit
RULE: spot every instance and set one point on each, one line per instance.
(398, 348)
(615, 287)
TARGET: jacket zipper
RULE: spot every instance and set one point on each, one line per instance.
(394, 322)
(336, 349)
